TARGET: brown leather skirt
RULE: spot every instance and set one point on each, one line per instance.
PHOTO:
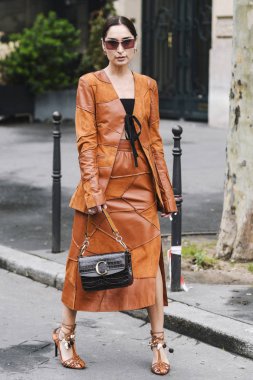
(131, 202)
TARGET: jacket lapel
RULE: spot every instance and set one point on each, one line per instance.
(139, 105)
(139, 94)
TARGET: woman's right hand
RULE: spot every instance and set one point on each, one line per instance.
(96, 209)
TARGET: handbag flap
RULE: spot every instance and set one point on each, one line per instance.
(103, 265)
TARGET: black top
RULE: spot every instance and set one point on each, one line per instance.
(128, 104)
(130, 129)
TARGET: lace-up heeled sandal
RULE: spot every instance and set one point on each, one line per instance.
(75, 362)
(160, 367)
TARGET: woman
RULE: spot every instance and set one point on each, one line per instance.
(122, 169)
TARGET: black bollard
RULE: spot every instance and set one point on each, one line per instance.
(56, 196)
(176, 227)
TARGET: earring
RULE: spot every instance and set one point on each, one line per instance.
(135, 50)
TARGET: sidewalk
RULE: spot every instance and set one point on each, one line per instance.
(220, 315)
(26, 182)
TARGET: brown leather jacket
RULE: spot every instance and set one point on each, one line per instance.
(99, 125)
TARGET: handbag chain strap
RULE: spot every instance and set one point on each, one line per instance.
(116, 233)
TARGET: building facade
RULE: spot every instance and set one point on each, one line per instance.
(186, 46)
(220, 63)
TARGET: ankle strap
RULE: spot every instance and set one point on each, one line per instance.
(157, 341)
(153, 333)
(69, 327)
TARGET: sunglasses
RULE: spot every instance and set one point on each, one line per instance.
(114, 44)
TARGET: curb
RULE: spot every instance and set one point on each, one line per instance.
(208, 327)
(36, 268)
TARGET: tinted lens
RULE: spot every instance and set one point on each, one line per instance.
(128, 44)
(111, 45)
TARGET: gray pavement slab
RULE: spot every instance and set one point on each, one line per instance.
(231, 301)
(220, 315)
(114, 345)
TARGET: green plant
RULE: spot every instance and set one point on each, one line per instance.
(198, 256)
(45, 57)
(189, 250)
(93, 57)
(204, 261)
(250, 267)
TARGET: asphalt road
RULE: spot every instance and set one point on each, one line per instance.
(25, 181)
(114, 345)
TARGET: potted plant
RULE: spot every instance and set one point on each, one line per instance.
(44, 59)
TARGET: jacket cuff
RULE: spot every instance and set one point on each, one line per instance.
(169, 205)
(95, 199)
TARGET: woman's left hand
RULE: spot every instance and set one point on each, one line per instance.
(169, 215)
(96, 209)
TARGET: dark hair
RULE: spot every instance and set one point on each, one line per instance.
(119, 20)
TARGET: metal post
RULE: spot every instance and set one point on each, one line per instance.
(56, 196)
(176, 227)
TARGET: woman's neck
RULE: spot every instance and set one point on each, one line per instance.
(117, 70)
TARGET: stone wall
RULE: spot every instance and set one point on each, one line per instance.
(133, 10)
(220, 63)
(62, 101)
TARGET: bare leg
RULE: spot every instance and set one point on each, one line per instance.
(68, 315)
(156, 315)
(68, 320)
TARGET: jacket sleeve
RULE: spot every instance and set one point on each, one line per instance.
(164, 183)
(86, 137)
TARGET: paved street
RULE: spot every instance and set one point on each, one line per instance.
(25, 182)
(113, 344)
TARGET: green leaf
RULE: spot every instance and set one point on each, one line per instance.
(45, 58)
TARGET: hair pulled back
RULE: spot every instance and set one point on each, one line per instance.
(119, 20)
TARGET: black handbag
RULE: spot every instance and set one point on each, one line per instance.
(107, 270)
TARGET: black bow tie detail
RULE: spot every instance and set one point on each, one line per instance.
(132, 134)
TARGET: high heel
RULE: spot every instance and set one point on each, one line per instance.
(160, 367)
(75, 362)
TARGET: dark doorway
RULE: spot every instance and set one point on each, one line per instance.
(176, 37)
